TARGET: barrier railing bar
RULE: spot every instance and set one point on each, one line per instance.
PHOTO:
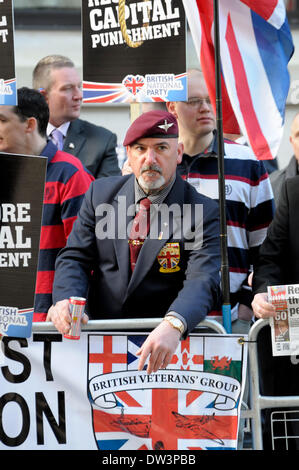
(124, 323)
(281, 402)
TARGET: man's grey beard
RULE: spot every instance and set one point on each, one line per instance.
(149, 186)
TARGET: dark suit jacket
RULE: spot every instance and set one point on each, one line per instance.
(278, 265)
(192, 291)
(95, 146)
(279, 254)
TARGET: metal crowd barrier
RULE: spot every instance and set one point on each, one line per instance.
(259, 402)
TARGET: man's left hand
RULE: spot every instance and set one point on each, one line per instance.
(160, 345)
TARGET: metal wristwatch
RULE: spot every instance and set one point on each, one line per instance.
(175, 323)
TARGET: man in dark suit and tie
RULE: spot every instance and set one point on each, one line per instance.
(164, 263)
(58, 80)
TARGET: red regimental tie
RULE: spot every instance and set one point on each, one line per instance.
(139, 231)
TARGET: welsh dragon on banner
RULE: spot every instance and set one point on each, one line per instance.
(255, 48)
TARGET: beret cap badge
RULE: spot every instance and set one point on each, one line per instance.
(166, 126)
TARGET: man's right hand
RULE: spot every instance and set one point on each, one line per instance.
(60, 315)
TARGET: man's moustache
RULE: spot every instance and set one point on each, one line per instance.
(151, 168)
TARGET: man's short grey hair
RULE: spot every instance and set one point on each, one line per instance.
(41, 77)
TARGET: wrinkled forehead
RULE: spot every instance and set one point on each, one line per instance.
(154, 141)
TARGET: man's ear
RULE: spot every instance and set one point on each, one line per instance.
(44, 93)
(31, 125)
(171, 108)
(180, 152)
(128, 151)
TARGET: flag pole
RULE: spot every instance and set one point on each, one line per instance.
(225, 284)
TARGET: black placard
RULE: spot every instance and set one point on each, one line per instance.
(22, 180)
(8, 93)
(157, 64)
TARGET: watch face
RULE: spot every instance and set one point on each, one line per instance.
(176, 323)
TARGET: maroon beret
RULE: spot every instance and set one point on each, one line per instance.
(157, 123)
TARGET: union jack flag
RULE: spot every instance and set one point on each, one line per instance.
(149, 418)
(255, 48)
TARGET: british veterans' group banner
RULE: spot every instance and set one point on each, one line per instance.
(89, 394)
(133, 51)
(255, 48)
(8, 87)
(22, 180)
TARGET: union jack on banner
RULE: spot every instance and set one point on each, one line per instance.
(131, 412)
(133, 83)
(255, 49)
(104, 92)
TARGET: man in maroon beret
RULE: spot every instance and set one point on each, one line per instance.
(150, 240)
(147, 138)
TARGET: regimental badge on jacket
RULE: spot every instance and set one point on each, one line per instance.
(169, 258)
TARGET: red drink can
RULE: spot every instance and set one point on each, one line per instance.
(77, 307)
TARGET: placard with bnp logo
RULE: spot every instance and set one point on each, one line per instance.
(22, 180)
(134, 51)
(89, 394)
(8, 85)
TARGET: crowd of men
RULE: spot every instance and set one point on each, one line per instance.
(172, 159)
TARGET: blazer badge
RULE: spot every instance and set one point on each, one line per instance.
(169, 258)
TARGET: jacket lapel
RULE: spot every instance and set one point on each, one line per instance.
(124, 205)
(75, 138)
(153, 245)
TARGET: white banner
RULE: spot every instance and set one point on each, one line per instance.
(60, 394)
